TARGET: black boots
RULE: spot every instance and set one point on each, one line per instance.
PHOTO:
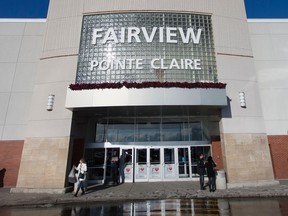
(82, 189)
(76, 192)
(212, 189)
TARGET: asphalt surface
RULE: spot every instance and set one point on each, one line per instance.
(138, 191)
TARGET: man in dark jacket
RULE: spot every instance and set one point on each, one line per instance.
(201, 170)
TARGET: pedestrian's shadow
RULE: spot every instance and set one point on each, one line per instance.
(99, 187)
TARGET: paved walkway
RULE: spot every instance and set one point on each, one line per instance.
(139, 191)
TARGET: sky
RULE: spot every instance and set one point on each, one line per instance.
(266, 8)
(38, 8)
(23, 8)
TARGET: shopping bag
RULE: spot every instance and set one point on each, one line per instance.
(72, 177)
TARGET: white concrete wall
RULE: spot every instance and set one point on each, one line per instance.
(269, 39)
(243, 130)
(21, 44)
(232, 45)
(145, 97)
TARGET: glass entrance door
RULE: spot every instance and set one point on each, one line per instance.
(96, 162)
(111, 170)
(126, 168)
(141, 165)
(149, 164)
(183, 162)
(155, 164)
(195, 152)
(169, 164)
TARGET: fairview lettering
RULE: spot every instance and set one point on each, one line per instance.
(134, 34)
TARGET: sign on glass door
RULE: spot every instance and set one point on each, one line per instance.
(155, 164)
(169, 163)
(141, 164)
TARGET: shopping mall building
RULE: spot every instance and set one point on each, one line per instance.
(157, 82)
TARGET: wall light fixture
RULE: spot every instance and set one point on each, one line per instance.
(242, 99)
(50, 103)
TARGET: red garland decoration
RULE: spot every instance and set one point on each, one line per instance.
(85, 86)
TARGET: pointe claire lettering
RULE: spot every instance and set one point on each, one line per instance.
(183, 64)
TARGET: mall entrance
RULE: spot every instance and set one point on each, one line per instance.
(161, 163)
(144, 163)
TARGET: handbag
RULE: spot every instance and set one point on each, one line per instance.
(81, 176)
(72, 177)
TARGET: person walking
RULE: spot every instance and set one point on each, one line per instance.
(211, 173)
(82, 169)
(201, 171)
(115, 167)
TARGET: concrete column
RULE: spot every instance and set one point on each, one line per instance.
(247, 160)
(43, 165)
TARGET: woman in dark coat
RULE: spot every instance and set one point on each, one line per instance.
(201, 171)
(211, 173)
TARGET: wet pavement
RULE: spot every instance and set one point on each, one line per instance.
(139, 191)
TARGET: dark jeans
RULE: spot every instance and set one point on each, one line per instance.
(115, 174)
(201, 178)
(212, 183)
(80, 185)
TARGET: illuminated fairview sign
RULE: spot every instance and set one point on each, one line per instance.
(132, 34)
(140, 47)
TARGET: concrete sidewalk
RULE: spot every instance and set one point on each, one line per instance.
(139, 191)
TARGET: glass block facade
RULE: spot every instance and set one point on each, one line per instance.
(146, 47)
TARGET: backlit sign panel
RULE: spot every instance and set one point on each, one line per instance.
(139, 47)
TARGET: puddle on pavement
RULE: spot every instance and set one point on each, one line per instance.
(234, 207)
